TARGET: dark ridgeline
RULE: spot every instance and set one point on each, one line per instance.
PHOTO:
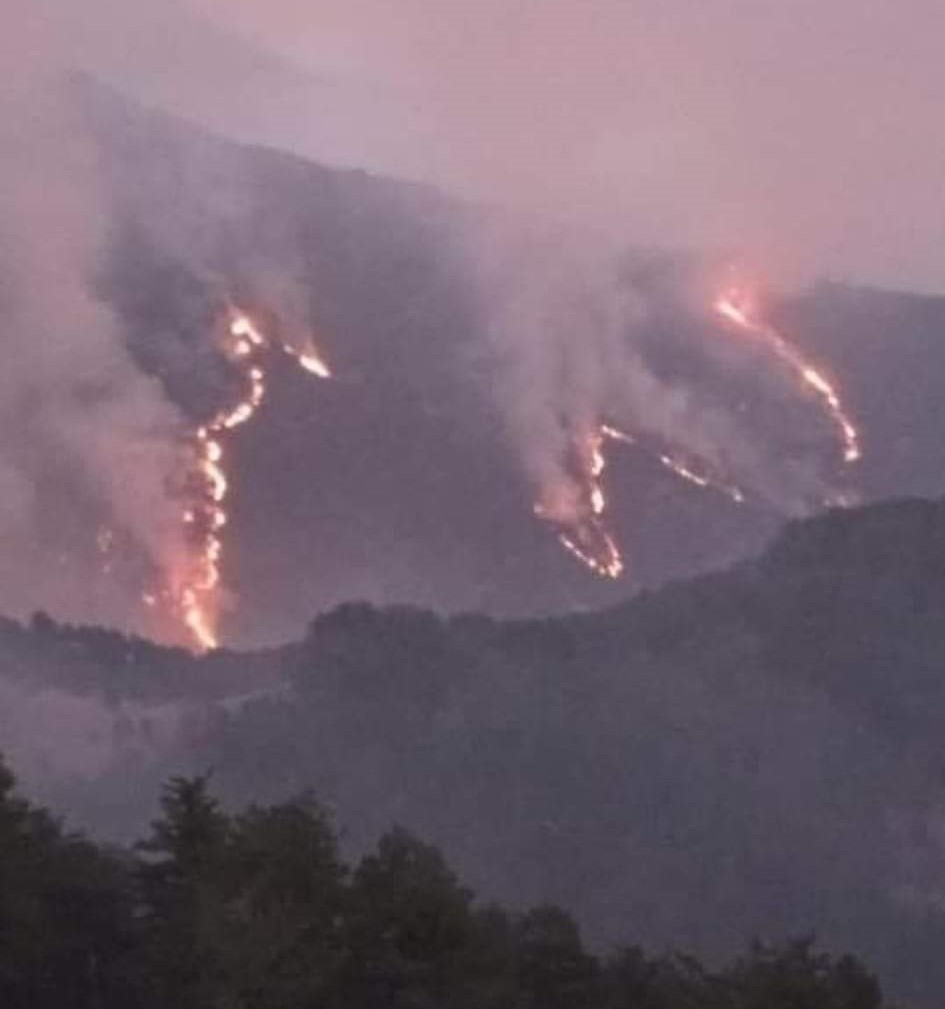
(257, 909)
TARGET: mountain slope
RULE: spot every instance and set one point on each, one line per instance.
(398, 482)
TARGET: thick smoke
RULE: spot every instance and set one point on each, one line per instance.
(803, 132)
(84, 431)
(562, 322)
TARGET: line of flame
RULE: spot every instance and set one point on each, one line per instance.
(585, 534)
(736, 308)
(197, 598)
(684, 470)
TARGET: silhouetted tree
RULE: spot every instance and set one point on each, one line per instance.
(65, 913)
(257, 911)
(553, 969)
(285, 904)
(184, 894)
(408, 924)
(796, 976)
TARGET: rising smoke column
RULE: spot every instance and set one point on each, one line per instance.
(570, 377)
(79, 416)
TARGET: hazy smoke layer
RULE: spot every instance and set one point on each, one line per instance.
(806, 132)
(563, 322)
(803, 132)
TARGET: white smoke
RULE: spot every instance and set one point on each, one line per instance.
(79, 418)
(563, 327)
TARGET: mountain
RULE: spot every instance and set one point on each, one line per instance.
(398, 482)
(750, 752)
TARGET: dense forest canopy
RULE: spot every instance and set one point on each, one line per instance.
(258, 909)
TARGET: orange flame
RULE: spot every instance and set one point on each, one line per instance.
(582, 529)
(684, 470)
(582, 524)
(736, 307)
(197, 597)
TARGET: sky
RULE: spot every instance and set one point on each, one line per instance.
(806, 134)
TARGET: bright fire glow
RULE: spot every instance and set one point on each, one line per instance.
(699, 478)
(312, 363)
(197, 595)
(579, 514)
(582, 527)
(685, 471)
(737, 308)
(581, 524)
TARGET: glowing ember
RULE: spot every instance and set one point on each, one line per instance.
(580, 519)
(196, 596)
(684, 470)
(577, 509)
(312, 363)
(595, 547)
(615, 434)
(703, 480)
(735, 307)
(582, 529)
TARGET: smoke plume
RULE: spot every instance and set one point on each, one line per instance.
(84, 431)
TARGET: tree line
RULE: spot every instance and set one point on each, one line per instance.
(258, 910)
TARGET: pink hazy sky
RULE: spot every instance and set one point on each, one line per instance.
(807, 132)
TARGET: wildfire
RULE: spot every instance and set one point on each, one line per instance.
(577, 508)
(594, 547)
(580, 512)
(589, 539)
(582, 527)
(311, 362)
(736, 307)
(684, 470)
(197, 591)
(700, 478)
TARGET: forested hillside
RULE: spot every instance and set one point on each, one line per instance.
(755, 752)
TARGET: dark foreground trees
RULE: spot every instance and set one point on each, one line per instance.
(257, 910)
